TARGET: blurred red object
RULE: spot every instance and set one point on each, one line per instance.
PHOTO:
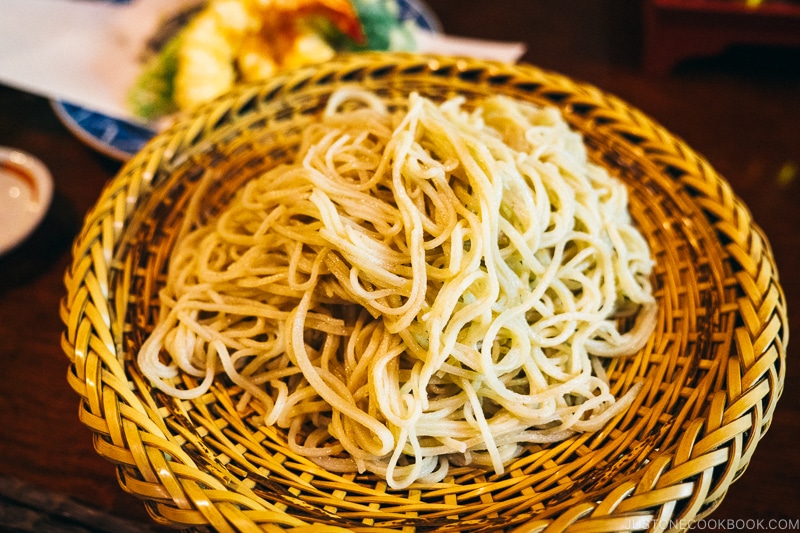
(675, 30)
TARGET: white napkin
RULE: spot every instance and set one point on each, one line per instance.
(87, 52)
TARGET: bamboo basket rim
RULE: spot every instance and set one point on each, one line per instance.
(712, 372)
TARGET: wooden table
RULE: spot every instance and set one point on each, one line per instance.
(741, 111)
(680, 29)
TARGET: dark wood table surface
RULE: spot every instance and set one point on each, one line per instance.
(740, 109)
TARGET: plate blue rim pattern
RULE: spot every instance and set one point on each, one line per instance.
(121, 139)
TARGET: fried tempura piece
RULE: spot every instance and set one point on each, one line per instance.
(231, 40)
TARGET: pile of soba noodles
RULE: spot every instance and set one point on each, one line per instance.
(431, 287)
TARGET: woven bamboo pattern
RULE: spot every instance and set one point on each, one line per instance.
(713, 370)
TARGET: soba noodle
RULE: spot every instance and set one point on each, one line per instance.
(418, 289)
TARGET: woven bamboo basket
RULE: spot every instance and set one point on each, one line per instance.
(713, 370)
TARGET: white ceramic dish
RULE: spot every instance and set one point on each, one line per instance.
(26, 190)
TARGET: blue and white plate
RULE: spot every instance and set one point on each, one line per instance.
(121, 139)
